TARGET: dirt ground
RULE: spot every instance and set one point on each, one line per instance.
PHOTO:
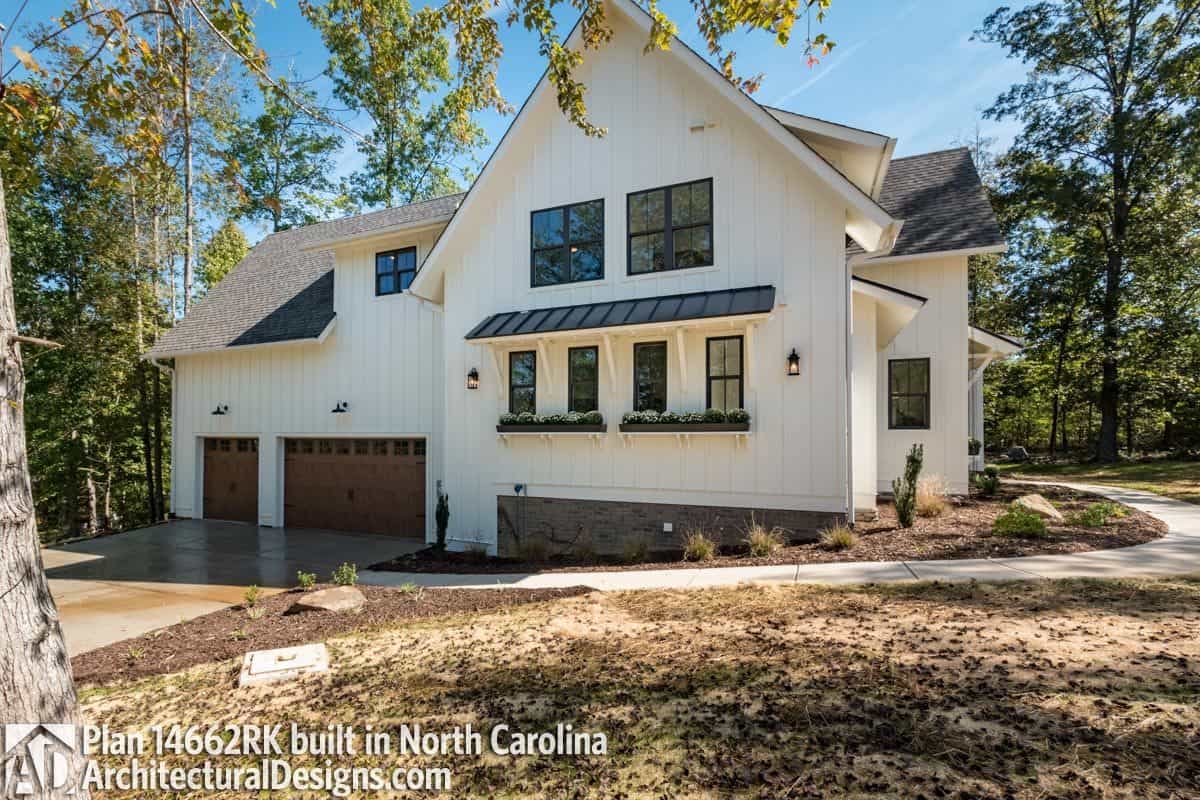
(232, 632)
(1048, 689)
(964, 530)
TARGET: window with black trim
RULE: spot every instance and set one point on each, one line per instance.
(567, 244)
(724, 367)
(522, 382)
(670, 227)
(583, 379)
(650, 376)
(394, 270)
(908, 393)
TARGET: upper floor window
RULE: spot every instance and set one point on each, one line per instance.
(671, 227)
(567, 244)
(583, 379)
(908, 393)
(394, 270)
(650, 376)
(522, 382)
(724, 363)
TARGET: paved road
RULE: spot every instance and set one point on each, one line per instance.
(1176, 553)
(120, 586)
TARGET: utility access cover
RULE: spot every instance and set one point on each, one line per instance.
(284, 664)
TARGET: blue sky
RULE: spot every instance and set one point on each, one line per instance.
(906, 68)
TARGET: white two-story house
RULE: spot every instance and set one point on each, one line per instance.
(707, 253)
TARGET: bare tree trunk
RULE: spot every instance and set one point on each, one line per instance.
(160, 496)
(35, 670)
(93, 524)
(188, 209)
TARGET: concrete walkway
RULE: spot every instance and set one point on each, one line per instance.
(1176, 553)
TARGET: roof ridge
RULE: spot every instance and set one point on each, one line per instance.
(366, 214)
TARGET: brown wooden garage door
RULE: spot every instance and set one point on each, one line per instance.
(369, 485)
(231, 479)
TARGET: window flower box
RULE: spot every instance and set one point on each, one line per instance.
(571, 422)
(714, 420)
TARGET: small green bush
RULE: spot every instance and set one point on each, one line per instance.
(697, 546)
(973, 446)
(1096, 515)
(991, 472)
(838, 537)
(345, 575)
(714, 415)
(1020, 523)
(635, 550)
(251, 596)
(441, 516)
(738, 415)
(987, 484)
(904, 489)
(306, 580)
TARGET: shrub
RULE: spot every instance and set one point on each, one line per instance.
(697, 546)
(346, 574)
(714, 415)
(442, 517)
(409, 588)
(569, 418)
(738, 415)
(593, 418)
(762, 541)
(931, 496)
(251, 596)
(987, 484)
(1096, 515)
(991, 471)
(1020, 523)
(838, 537)
(974, 446)
(636, 550)
(904, 489)
(306, 580)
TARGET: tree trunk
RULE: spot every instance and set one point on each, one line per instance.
(35, 669)
(188, 189)
(1110, 390)
(160, 496)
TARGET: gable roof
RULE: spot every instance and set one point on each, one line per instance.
(281, 292)
(943, 203)
(634, 311)
(867, 221)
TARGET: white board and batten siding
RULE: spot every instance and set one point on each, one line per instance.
(774, 223)
(938, 333)
(383, 357)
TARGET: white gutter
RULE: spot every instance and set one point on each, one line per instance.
(162, 367)
(848, 300)
(225, 348)
(379, 233)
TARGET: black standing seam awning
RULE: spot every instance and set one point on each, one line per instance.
(635, 311)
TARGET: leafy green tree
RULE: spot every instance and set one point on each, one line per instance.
(222, 252)
(280, 162)
(1110, 96)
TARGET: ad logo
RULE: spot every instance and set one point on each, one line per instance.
(35, 758)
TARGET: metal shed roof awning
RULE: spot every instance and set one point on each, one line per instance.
(640, 311)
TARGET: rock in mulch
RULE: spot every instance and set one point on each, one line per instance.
(338, 598)
(1040, 506)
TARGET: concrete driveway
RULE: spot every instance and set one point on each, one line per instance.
(120, 586)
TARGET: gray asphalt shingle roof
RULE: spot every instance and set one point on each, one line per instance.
(942, 202)
(279, 292)
(635, 311)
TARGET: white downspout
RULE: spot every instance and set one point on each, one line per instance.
(849, 389)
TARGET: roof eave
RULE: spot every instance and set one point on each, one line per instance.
(367, 237)
(884, 258)
(626, 330)
(153, 353)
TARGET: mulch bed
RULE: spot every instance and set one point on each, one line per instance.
(233, 632)
(963, 531)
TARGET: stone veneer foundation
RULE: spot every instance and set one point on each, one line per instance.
(613, 528)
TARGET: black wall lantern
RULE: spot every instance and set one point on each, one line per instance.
(341, 408)
(220, 410)
(793, 363)
(473, 379)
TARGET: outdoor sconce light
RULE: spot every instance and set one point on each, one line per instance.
(473, 379)
(341, 408)
(220, 410)
(793, 363)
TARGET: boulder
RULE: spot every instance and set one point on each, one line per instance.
(337, 598)
(1018, 453)
(1040, 506)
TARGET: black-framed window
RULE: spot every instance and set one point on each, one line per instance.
(908, 393)
(670, 227)
(583, 379)
(522, 382)
(394, 270)
(650, 376)
(567, 244)
(724, 373)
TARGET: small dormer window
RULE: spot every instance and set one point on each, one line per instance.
(394, 270)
